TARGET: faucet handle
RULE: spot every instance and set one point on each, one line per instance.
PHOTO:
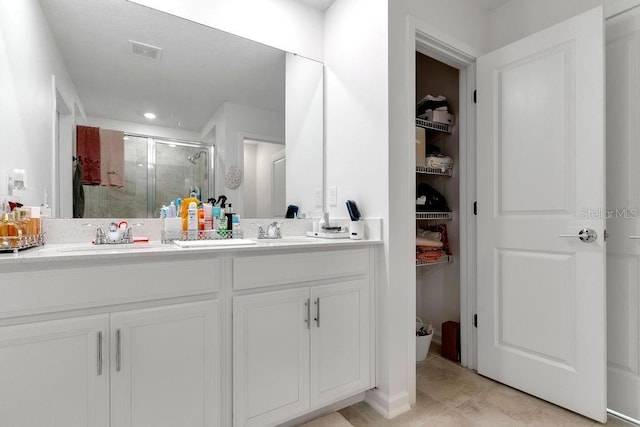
(101, 237)
(261, 233)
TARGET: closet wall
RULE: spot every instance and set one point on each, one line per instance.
(438, 286)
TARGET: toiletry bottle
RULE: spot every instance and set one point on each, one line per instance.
(215, 214)
(201, 222)
(229, 214)
(222, 224)
(9, 229)
(171, 210)
(208, 216)
(192, 221)
(34, 221)
(22, 219)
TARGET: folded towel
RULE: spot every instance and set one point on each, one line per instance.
(428, 255)
(427, 243)
(430, 102)
(112, 157)
(431, 235)
(88, 152)
(439, 162)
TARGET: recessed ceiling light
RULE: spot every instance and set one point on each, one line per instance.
(126, 138)
(172, 145)
(150, 116)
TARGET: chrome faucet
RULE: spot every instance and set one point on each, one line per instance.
(272, 232)
(101, 237)
(114, 235)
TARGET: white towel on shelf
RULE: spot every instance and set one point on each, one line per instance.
(440, 162)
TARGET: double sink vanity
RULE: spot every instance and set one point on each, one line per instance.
(154, 334)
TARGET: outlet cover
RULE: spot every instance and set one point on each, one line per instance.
(332, 196)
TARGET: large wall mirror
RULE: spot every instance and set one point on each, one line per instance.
(232, 116)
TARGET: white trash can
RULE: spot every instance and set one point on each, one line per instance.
(423, 342)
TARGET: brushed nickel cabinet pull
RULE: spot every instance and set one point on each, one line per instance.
(317, 319)
(118, 350)
(99, 353)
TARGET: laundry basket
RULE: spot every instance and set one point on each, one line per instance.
(423, 342)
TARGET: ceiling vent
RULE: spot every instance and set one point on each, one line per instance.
(146, 50)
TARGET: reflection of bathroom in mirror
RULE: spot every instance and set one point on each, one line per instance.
(219, 101)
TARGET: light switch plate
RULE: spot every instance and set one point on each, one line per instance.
(332, 196)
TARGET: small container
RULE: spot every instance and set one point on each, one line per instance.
(208, 216)
(356, 230)
(10, 232)
(34, 221)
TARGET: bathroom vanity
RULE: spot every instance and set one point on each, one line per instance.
(163, 336)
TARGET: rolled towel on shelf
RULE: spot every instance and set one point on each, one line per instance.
(427, 243)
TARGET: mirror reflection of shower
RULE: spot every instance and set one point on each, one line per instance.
(195, 157)
(157, 171)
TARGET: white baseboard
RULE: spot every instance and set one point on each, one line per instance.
(336, 406)
(387, 407)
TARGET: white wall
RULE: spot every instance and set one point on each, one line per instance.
(303, 128)
(286, 24)
(517, 19)
(144, 129)
(231, 124)
(28, 59)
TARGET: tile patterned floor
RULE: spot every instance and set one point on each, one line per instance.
(449, 395)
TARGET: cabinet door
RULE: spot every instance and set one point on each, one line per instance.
(339, 341)
(270, 357)
(165, 366)
(51, 373)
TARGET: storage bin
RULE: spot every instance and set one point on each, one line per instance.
(423, 342)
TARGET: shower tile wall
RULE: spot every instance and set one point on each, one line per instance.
(129, 201)
(175, 175)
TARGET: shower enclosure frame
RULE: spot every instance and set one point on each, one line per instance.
(152, 142)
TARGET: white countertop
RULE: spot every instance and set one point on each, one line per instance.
(88, 251)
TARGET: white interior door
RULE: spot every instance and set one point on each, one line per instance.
(541, 296)
(278, 181)
(623, 201)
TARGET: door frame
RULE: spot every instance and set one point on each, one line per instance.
(430, 41)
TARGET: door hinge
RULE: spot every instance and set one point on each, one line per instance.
(475, 96)
(475, 320)
(475, 208)
(606, 235)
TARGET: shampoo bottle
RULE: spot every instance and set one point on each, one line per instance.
(229, 214)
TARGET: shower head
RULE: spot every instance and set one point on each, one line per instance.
(196, 156)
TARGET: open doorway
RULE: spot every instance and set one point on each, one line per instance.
(264, 179)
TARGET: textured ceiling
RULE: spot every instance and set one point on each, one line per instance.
(199, 69)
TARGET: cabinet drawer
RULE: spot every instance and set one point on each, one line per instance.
(71, 287)
(281, 269)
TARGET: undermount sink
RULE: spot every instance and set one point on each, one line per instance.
(90, 247)
(213, 243)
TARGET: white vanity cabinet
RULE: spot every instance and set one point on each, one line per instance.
(142, 356)
(164, 367)
(51, 375)
(299, 349)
